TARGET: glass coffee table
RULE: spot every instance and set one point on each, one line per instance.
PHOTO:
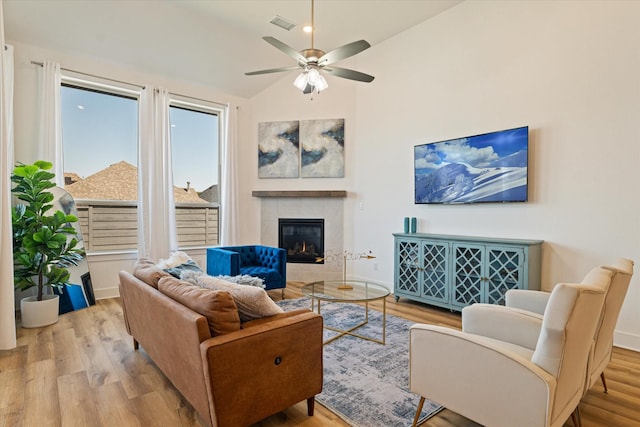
(349, 291)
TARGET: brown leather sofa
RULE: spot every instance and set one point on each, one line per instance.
(232, 379)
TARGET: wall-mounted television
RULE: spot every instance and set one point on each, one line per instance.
(487, 168)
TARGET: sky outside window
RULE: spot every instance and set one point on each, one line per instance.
(101, 129)
(98, 130)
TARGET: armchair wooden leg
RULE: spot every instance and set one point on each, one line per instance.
(418, 411)
(282, 293)
(311, 404)
(575, 417)
(135, 344)
(604, 382)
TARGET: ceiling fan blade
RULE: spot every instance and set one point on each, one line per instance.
(272, 70)
(285, 48)
(345, 73)
(343, 52)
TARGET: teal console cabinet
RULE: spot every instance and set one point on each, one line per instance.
(455, 271)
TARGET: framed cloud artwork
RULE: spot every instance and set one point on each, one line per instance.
(322, 148)
(278, 149)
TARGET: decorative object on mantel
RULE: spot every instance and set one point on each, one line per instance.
(414, 224)
(406, 224)
(278, 149)
(313, 61)
(322, 148)
(330, 256)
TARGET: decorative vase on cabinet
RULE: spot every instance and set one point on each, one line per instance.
(455, 271)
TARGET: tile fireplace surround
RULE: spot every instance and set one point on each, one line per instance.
(305, 204)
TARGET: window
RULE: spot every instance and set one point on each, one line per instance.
(100, 146)
(194, 153)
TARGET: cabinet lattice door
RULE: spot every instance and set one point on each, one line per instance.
(408, 263)
(468, 267)
(435, 271)
(504, 270)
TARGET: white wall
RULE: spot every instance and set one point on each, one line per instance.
(568, 70)
(104, 268)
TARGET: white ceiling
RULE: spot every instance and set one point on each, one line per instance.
(209, 42)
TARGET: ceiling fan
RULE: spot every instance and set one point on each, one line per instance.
(312, 61)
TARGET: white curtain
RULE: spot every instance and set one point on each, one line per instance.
(156, 203)
(229, 179)
(51, 120)
(7, 306)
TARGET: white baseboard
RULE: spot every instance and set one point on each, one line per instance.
(626, 340)
(105, 293)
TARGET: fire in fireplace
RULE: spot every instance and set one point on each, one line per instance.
(302, 238)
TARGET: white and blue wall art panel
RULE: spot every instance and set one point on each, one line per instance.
(278, 149)
(322, 148)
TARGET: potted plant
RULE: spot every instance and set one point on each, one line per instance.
(43, 243)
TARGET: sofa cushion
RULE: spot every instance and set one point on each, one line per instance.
(146, 270)
(217, 306)
(252, 302)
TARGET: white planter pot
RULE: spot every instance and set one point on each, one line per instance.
(36, 314)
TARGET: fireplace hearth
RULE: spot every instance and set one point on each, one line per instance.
(302, 238)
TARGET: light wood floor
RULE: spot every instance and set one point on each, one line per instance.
(84, 372)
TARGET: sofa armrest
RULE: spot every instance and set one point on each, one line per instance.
(524, 299)
(222, 262)
(263, 369)
(477, 377)
(508, 324)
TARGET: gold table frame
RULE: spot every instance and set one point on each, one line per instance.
(349, 291)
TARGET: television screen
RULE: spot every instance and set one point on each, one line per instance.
(486, 168)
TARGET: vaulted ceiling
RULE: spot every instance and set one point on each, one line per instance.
(208, 42)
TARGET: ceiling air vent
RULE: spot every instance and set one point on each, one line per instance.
(282, 23)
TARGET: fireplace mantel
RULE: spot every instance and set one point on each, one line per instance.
(301, 193)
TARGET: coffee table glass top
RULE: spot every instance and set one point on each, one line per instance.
(345, 290)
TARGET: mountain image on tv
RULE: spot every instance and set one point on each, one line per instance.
(491, 167)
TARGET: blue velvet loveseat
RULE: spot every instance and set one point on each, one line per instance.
(266, 262)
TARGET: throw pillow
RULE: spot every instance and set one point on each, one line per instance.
(146, 270)
(177, 263)
(252, 302)
(244, 279)
(217, 306)
(175, 259)
(189, 265)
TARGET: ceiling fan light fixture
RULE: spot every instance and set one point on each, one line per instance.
(321, 83)
(313, 75)
(301, 81)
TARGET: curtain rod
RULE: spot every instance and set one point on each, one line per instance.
(93, 75)
(131, 84)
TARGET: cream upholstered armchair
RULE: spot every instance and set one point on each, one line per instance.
(503, 384)
(488, 320)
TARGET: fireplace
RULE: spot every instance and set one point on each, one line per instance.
(302, 238)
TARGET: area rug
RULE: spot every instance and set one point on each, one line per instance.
(365, 383)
